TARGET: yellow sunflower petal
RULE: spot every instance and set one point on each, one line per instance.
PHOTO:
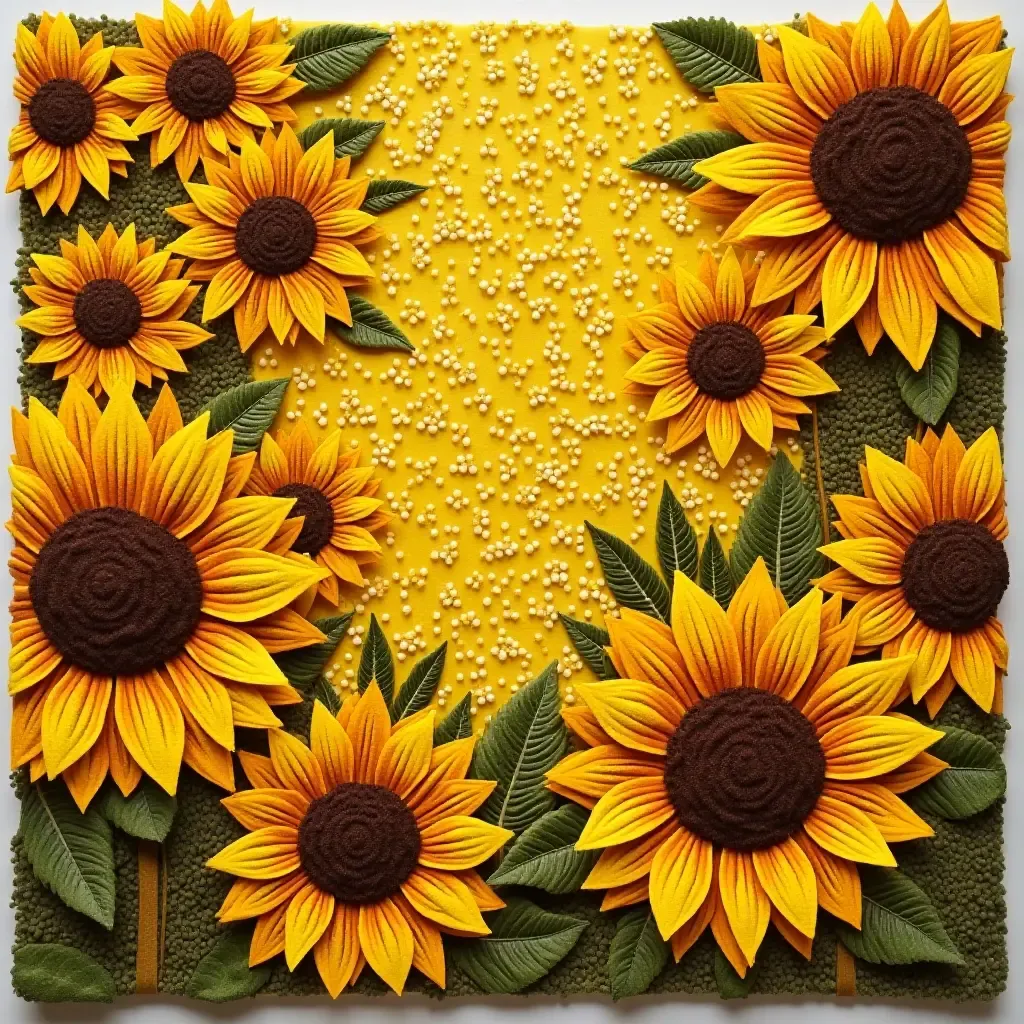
(295, 764)
(445, 899)
(625, 863)
(769, 113)
(900, 491)
(848, 279)
(681, 877)
(755, 168)
(924, 57)
(695, 300)
(705, 638)
(460, 842)
(931, 648)
(242, 584)
(819, 76)
(626, 812)
(871, 745)
(267, 853)
(968, 273)
(754, 609)
(871, 559)
(594, 771)
(871, 57)
(788, 878)
(309, 915)
(787, 657)
(149, 721)
(744, 901)
(784, 211)
(250, 897)
(838, 881)
(979, 478)
(228, 651)
(206, 698)
(972, 665)
(268, 936)
(638, 715)
(895, 820)
(405, 757)
(453, 797)
(368, 728)
(73, 717)
(906, 306)
(330, 745)
(867, 688)
(337, 952)
(847, 832)
(264, 808)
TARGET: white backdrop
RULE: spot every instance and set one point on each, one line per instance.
(513, 1010)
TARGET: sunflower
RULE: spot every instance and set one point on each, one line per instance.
(874, 179)
(276, 233)
(718, 366)
(743, 768)
(334, 498)
(148, 596)
(206, 80)
(362, 847)
(110, 311)
(69, 127)
(923, 558)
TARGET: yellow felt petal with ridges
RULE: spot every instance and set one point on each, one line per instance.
(267, 853)
(723, 429)
(57, 461)
(427, 945)
(871, 58)
(755, 168)
(744, 901)
(457, 796)
(931, 648)
(755, 416)
(386, 941)
(924, 58)
(838, 881)
(916, 772)
(645, 649)
(871, 559)
(35, 513)
(295, 764)
(895, 820)
(150, 723)
(259, 770)
(205, 697)
(32, 656)
(368, 727)
(704, 637)
(122, 450)
(861, 748)
(627, 811)
(250, 897)
(694, 298)
(330, 745)
(337, 952)
(73, 717)
(405, 757)
(788, 878)
(79, 415)
(819, 76)
(784, 211)
(972, 665)
(460, 842)
(309, 914)
(979, 478)
(973, 86)
(796, 376)
(900, 491)
(263, 808)
(768, 112)
(849, 276)
(754, 609)
(968, 273)
(594, 771)
(847, 832)
(625, 863)
(228, 651)
(865, 517)
(906, 305)
(445, 899)
(683, 939)
(662, 365)
(242, 584)
(681, 876)
(787, 656)
(173, 471)
(249, 522)
(268, 936)
(867, 688)
(638, 715)
(730, 291)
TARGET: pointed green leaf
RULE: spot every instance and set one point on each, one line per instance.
(224, 973)
(899, 923)
(638, 954)
(387, 193)
(590, 641)
(525, 740)
(52, 973)
(929, 391)
(371, 328)
(147, 814)
(545, 855)
(70, 852)
(633, 582)
(782, 525)
(377, 662)
(325, 692)
(418, 690)
(351, 136)
(974, 780)
(327, 56)
(247, 409)
(675, 159)
(524, 944)
(304, 666)
(710, 52)
(730, 985)
(675, 539)
(715, 575)
(456, 725)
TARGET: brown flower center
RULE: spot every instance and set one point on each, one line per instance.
(62, 112)
(319, 516)
(890, 164)
(954, 575)
(725, 360)
(276, 235)
(359, 842)
(200, 85)
(115, 593)
(107, 313)
(744, 769)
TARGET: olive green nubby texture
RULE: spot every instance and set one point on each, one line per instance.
(961, 868)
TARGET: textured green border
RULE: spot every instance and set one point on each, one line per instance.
(961, 868)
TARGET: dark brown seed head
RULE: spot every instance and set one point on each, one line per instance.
(107, 313)
(725, 360)
(200, 85)
(62, 112)
(318, 524)
(275, 236)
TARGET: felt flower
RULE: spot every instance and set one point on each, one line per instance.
(361, 846)
(922, 556)
(742, 767)
(719, 366)
(874, 179)
(206, 81)
(109, 310)
(334, 497)
(69, 127)
(148, 596)
(277, 232)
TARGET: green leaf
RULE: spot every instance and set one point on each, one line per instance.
(371, 328)
(224, 973)
(545, 855)
(929, 390)
(590, 641)
(351, 136)
(418, 690)
(327, 56)
(730, 984)
(51, 973)
(781, 525)
(715, 575)
(70, 852)
(974, 780)
(248, 409)
(526, 739)
(387, 193)
(638, 954)
(524, 944)
(710, 52)
(633, 582)
(456, 725)
(325, 692)
(147, 814)
(675, 159)
(899, 923)
(675, 538)
(376, 662)
(304, 666)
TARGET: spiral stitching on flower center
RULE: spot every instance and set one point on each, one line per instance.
(954, 575)
(107, 313)
(115, 593)
(276, 235)
(744, 769)
(200, 85)
(359, 842)
(62, 112)
(725, 360)
(890, 164)
(318, 524)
